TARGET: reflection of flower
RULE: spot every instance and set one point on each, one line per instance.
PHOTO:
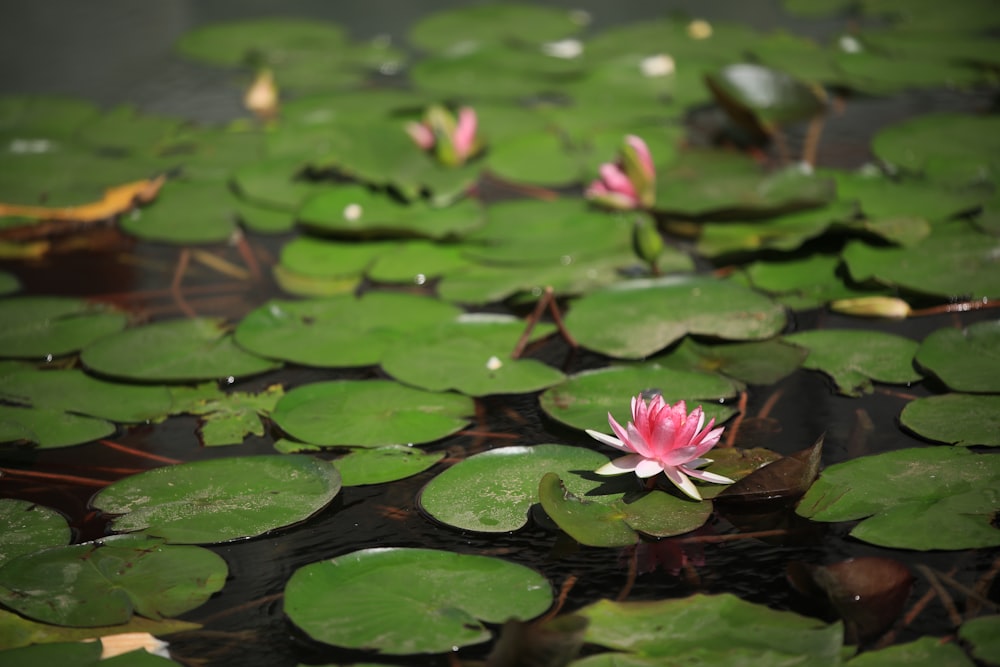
(630, 182)
(663, 438)
(453, 141)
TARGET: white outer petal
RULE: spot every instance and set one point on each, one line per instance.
(621, 465)
(609, 440)
(648, 468)
(681, 481)
(706, 476)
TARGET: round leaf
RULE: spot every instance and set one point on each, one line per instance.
(384, 464)
(964, 360)
(484, 24)
(50, 429)
(403, 601)
(645, 316)
(172, 351)
(104, 583)
(219, 500)
(369, 413)
(39, 326)
(958, 419)
(26, 527)
(493, 491)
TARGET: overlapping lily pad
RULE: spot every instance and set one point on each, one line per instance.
(855, 358)
(928, 498)
(958, 419)
(73, 651)
(982, 633)
(474, 25)
(401, 601)
(49, 429)
(38, 326)
(341, 330)
(471, 355)
(757, 362)
(586, 398)
(369, 413)
(710, 629)
(660, 312)
(104, 583)
(226, 419)
(218, 500)
(26, 527)
(384, 464)
(492, 492)
(964, 359)
(16, 631)
(173, 351)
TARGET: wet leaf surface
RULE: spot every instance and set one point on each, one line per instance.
(36, 327)
(956, 419)
(964, 359)
(218, 500)
(26, 527)
(383, 464)
(404, 601)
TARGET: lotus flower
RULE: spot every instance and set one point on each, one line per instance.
(453, 141)
(663, 438)
(629, 183)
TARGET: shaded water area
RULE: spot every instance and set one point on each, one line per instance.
(118, 52)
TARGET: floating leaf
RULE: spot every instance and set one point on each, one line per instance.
(712, 629)
(116, 200)
(786, 232)
(485, 24)
(802, 284)
(854, 358)
(927, 498)
(74, 391)
(339, 331)
(403, 601)
(983, 634)
(659, 312)
(763, 362)
(614, 520)
(964, 359)
(923, 651)
(39, 326)
(787, 477)
(49, 429)
(384, 464)
(104, 583)
(173, 351)
(955, 260)
(18, 631)
(26, 527)
(369, 413)
(761, 99)
(470, 355)
(218, 500)
(958, 419)
(186, 213)
(226, 419)
(586, 398)
(492, 492)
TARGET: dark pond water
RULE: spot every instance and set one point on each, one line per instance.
(115, 52)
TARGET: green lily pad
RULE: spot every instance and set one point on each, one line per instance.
(318, 257)
(174, 351)
(417, 262)
(81, 653)
(883, 199)
(26, 527)
(275, 183)
(957, 419)
(617, 521)
(964, 359)
(923, 651)
(74, 391)
(470, 355)
(485, 24)
(761, 98)
(955, 260)
(401, 601)
(757, 362)
(39, 326)
(44, 115)
(586, 398)
(876, 73)
(951, 147)
(854, 358)
(226, 419)
(802, 284)
(218, 500)
(384, 464)
(927, 498)
(103, 583)
(50, 429)
(369, 413)
(659, 312)
(712, 630)
(710, 184)
(983, 634)
(786, 233)
(9, 283)
(539, 158)
(356, 211)
(16, 631)
(492, 492)
(341, 330)
(186, 213)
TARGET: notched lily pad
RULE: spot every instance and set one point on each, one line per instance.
(401, 601)
(104, 583)
(219, 500)
(384, 464)
(957, 419)
(926, 498)
(964, 359)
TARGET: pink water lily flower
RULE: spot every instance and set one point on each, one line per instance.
(663, 438)
(452, 140)
(629, 183)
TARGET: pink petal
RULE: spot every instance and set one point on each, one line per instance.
(465, 132)
(421, 135)
(637, 442)
(706, 476)
(642, 152)
(648, 468)
(620, 465)
(680, 480)
(679, 456)
(608, 440)
(616, 180)
(709, 439)
(620, 432)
